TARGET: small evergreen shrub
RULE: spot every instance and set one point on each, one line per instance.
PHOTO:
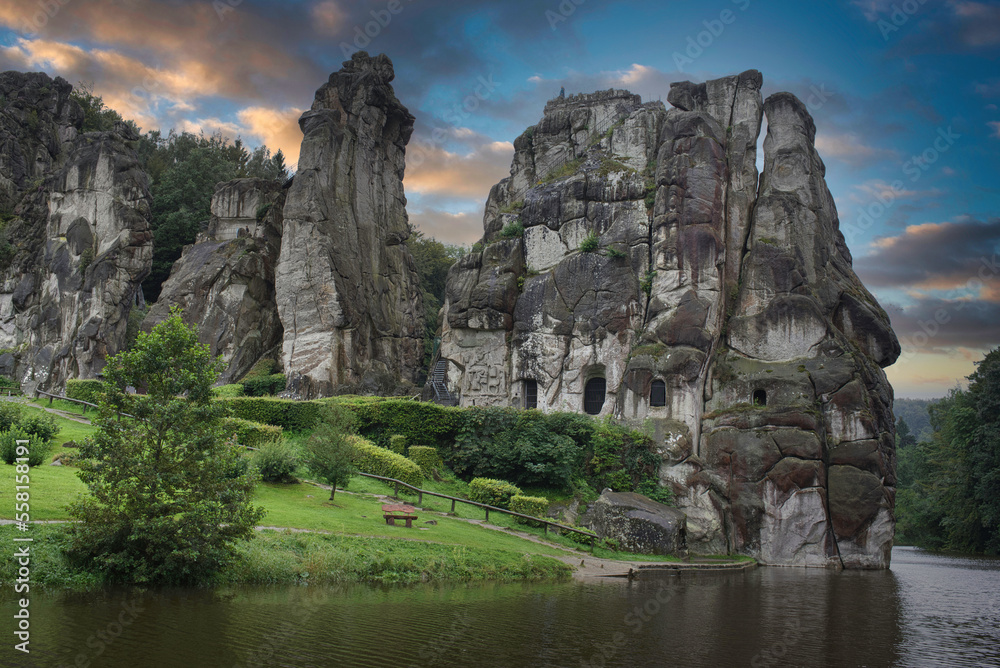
(369, 458)
(84, 390)
(493, 492)
(512, 230)
(252, 434)
(43, 427)
(536, 506)
(397, 443)
(276, 462)
(10, 415)
(425, 457)
(589, 243)
(38, 449)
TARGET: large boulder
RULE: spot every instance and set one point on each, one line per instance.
(346, 286)
(75, 241)
(639, 524)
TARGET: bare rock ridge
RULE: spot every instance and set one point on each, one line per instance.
(346, 286)
(225, 282)
(659, 276)
(75, 243)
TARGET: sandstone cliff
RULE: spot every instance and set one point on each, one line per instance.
(224, 283)
(346, 286)
(658, 277)
(75, 243)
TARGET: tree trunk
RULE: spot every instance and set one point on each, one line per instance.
(333, 490)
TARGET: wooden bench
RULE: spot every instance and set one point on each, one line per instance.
(394, 511)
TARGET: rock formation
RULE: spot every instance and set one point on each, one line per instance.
(346, 286)
(224, 283)
(639, 524)
(634, 264)
(75, 242)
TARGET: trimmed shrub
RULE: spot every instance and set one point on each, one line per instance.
(397, 443)
(425, 457)
(84, 390)
(10, 414)
(370, 458)
(493, 492)
(262, 386)
(38, 449)
(285, 413)
(536, 506)
(276, 462)
(42, 426)
(231, 390)
(252, 434)
(422, 423)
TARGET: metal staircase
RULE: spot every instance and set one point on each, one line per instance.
(441, 394)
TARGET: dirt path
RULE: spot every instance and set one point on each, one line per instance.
(55, 411)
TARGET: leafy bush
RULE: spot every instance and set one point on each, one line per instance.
(252, 434)
(528, 447)
(623, 458)
(231, 390)
(285, 413)
(536, 506)
(85, 390)
(276, 462)
(512, 230)
(42, 426)
(369, 458)
(425, 457)
(10, 415)
(422, 423)
(657, 492)
(589, 243)
(38, 449)
(493, 492)
(397, 443)
(9, 385)
(262, 386)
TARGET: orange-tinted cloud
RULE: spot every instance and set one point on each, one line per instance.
(431, 169)
(277, 128)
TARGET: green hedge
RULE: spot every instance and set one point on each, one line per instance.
(262, 386)
(426, 457)
(231, 390)
(536, 506)
(493, 492)
(397, 443)
(370, 458)
(38, 449)
(252, 434)
(84, 390)
(285, 413)
(422, 423)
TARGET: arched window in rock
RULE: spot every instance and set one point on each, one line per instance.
(658, 393)
(530, 393)
(593, 395)
(759, 398)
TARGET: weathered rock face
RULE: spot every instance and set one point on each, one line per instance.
(224, 283)
(658, 277)
(347, 291)
(639, 524)
(76, 238)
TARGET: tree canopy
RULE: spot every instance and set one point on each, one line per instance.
(169, 495)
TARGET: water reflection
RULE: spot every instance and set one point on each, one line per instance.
(928, 610)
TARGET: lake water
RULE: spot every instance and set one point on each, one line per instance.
(928, 610)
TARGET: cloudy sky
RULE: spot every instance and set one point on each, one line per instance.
(905, 94)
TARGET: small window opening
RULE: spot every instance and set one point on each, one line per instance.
(593, 395)
(658, 393)
(759, 398)
(530, 394)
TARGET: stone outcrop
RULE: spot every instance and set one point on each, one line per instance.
(76, 241)
(224, 283)
(659, 277)
(346, 286)
(639, 524)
